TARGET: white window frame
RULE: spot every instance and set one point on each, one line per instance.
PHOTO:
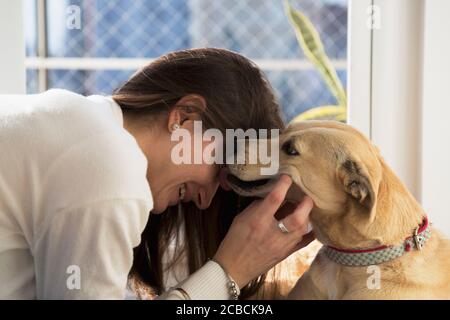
(398, 93)
(359, 69)
(12, 54)
(435, 138)
(386, 79)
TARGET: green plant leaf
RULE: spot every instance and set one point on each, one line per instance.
(338, 113)
(309, 40)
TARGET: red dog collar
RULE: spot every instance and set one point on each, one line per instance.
(373, 256)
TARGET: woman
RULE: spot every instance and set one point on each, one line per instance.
(71, 216)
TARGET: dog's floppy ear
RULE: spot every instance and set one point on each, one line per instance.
(357, 184)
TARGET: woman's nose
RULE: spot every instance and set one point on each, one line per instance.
(205, 196)
(201, 200)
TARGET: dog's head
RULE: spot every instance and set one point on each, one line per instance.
(331, 162)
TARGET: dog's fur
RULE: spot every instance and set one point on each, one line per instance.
(359, 203)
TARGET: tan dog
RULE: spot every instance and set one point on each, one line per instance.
(362, 209)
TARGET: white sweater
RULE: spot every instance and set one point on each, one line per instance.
(74, 201)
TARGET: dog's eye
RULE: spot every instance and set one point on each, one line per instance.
(289, 149)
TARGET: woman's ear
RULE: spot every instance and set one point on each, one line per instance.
(174, 119)
(187, 108)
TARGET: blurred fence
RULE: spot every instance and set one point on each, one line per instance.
(117, 36)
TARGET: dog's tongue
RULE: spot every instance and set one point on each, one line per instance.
(257, 188)
(250, 188)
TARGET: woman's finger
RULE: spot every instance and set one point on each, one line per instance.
(305, 241)
(297, 221)
(273, 201)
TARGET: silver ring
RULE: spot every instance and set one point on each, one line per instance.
(282, 227)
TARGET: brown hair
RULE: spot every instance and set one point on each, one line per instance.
(237, 95)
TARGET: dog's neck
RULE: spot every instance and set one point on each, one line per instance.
(396, 214)
(397, 211)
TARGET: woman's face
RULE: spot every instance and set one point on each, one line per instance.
(183, 183)
(172, 183)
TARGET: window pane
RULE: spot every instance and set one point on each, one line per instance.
(118, 28)
(299, 91)
(259, 29)
(32, 81)
(150, 28)
(88, 82)
(30, 26)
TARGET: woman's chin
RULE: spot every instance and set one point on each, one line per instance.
(161, 206)
(158, 209)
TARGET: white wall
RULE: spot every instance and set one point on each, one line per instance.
(385, 81)
(359, 74)
(12, 53)
(399, 78)
(436, 114)
(396, 87)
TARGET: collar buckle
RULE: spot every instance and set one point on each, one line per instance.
(416, 239)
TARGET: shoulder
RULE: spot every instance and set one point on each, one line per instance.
(59, 113)
(60, 93)
(97, 158)
(59, 99)
(90, 113)
(105, 166)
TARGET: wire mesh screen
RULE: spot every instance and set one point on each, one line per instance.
(258, 29)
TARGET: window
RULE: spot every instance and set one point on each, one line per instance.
(116, 37)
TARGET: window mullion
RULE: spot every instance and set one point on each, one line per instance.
(42, 43)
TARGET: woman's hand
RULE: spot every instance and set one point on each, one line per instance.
(255, 243)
